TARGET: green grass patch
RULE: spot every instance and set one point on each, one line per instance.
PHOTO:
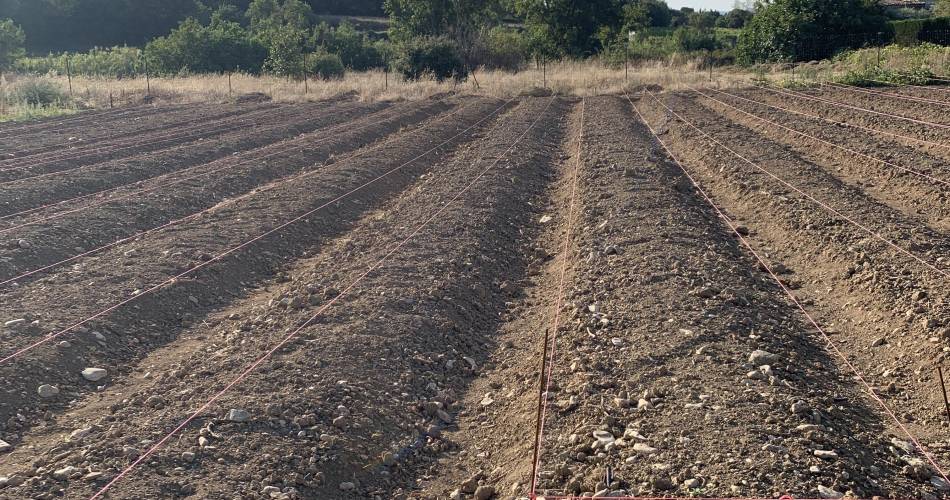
(27, 112)
(880, 77)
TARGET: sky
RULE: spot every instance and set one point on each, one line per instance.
(720, 5)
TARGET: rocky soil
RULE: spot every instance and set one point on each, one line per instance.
(363, 292)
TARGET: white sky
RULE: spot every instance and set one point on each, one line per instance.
(720, 5)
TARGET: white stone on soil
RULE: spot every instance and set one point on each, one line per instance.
(238, 415)
(47, 391)
(760, 357)
(94, 374)
(644, 449)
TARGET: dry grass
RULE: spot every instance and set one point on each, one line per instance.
(578, 78)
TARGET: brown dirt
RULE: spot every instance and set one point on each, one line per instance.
(422, 380)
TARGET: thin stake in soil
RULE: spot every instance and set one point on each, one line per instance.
(537, 426)
(548, 372)
(148, 83)
(943, 388)
(69, 77)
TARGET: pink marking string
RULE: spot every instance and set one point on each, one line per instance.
(174, 278)
(925, 87)
(843, 148)
(560, 296)
(225, 124)
(856, 108)
(764, 265)
(279, 151)
(890, 243)
(921, 141)
(855, 88)
(319, 312)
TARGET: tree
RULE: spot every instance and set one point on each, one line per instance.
(569, 27)
(433, 18)
(702, 20)
(353, 48)
(222, 46)
(324, 66)
(267, 14)
(435, 57)
(640, 14)
(735, 18)
(285, 51)
(461, 21)
(12, 39)
(795, 30)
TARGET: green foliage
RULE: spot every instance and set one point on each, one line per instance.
(794, 30)
(922, 58)
(77, 25)
(689, 39)
(285, 50)
(456, 20)
(323, 65)
(12, 39)
(680, 43)
(355, 49)
(22, 112)
(438, 58)
(569, 27)
(735, 18)
(220, 47)
(267, 15)
(39, 92)
(503, 48)
(876, 77)
(702, 20)
(116, 62)
(914, 31)
(641, 14)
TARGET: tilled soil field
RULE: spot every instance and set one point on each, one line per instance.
(708, 293)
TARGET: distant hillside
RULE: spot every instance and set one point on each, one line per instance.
(78, 25)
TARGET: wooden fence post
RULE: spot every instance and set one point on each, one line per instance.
(69, 77)
(148, 83)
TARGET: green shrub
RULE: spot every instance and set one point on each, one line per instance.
(435, 57)
(285, 51)
(116, 62)
(502, 48)
(898, 58)
(12, 39)
(38, 92)
(325, 66)
(913, 31)
(876, 77)
(796, 30)
(354, 48)
(694, 39)
(222, 46)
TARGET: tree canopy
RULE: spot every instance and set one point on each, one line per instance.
(76, 25)
(11, 43)
(793, 30)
